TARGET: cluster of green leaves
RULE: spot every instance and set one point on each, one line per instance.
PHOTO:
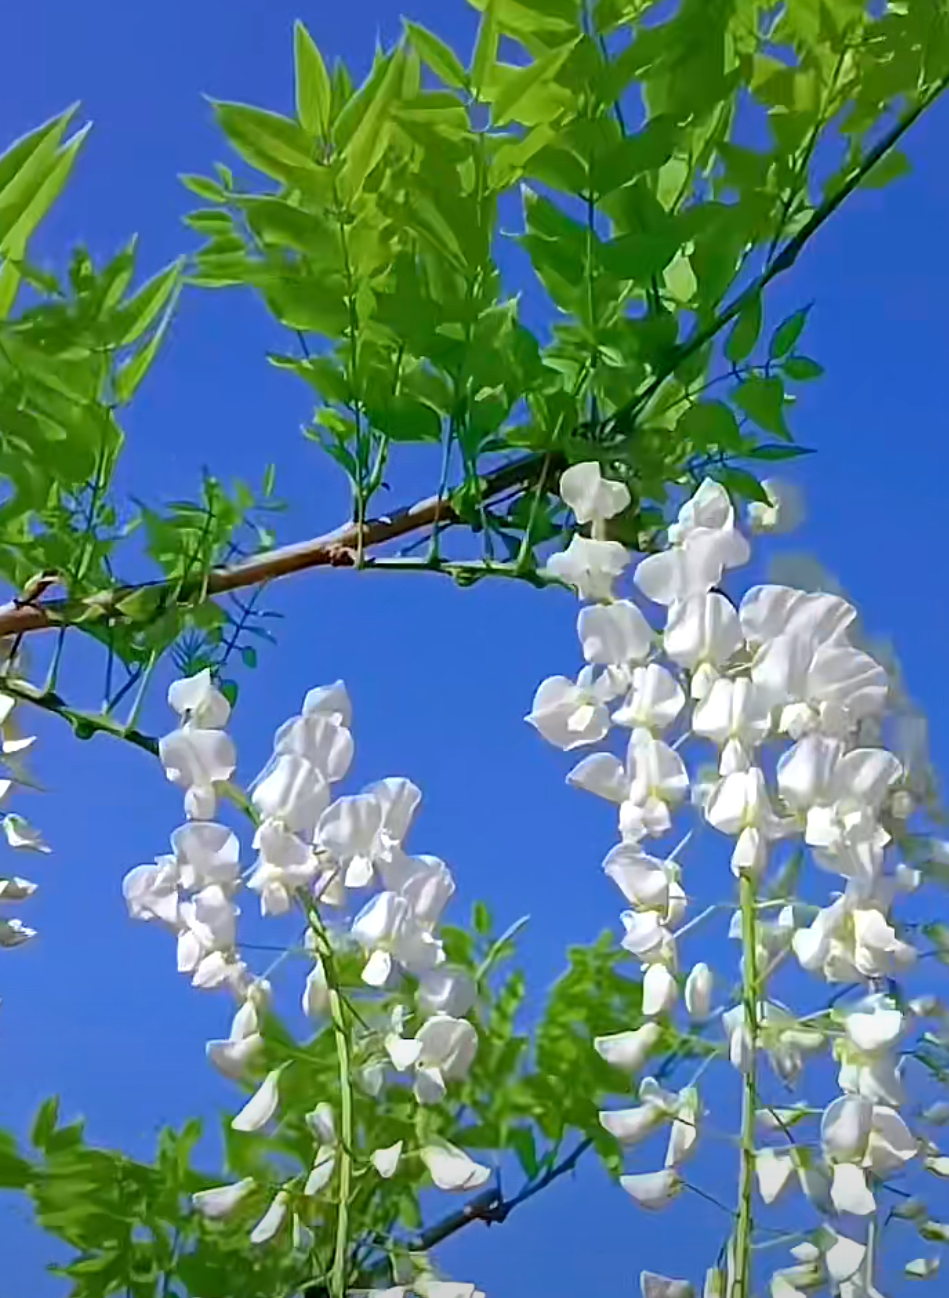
(73, 354)
(129, 1226)
(370, 227)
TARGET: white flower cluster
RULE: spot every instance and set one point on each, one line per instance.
(796, 715)
(313, 852)
(19, 833)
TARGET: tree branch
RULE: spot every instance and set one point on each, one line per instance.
(336, 549)
(491, 1207)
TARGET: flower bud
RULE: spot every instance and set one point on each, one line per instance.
(698, 992)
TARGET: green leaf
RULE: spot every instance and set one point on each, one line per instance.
(776, 451)
(144, 308)
(14, 240)
(519, 83)
(443, 60)
(762, 399)
(371, 136)
(314, 92)
(25, 166)
(787, 334)
(802, 369)
(142, 604)
(739, 483)
(481, 920)
(15, 1172)
(45, 1122)
(273, 144)
(524, 1146)
(130, 376)
(205, 188)
(890, 167)
(405, 419)
(485, 52)
(740, 342)
(710, 423)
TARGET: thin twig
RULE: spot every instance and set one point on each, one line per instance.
(336, 549)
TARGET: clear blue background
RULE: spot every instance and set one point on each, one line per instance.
(440, 677)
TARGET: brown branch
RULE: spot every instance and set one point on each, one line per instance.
(337, 549)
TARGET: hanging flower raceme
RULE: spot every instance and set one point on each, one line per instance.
(18, 832)
(314, 851)
(800, 715)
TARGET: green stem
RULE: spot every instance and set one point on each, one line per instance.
(85, 724)
(338, 1276)
(742, 1257)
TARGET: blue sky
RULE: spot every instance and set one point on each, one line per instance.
(440, 677)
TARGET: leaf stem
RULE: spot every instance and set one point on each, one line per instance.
(740, 1286)
(338, 1276)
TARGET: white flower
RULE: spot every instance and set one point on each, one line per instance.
(630, 1126)
(570, 715)
(196, 760)
(319, 740)
(390, 931)
(735, 715)
(450, 1168)
(646, 937)
(643, 880)
(849, 1191)
(386, 1161)
(294, 791)
(231, 1057)
(316, 998)
(660, 991)
(740, 806)
(703, 629)
(592, 497)
(628, 1050)
(875, 1024)
(654, 701)
(784, 512)
(321, 1172)
(704, 543)
(151, 892)
(272, 1219)
(206, 853)
(685, 1127)
(845, 1128)
(261, 1106)
(804, 660)
(443, 1050)
(660, 1286)
(222, 1200)
(590, 566)
(198, 702)
(614, 634)
(774, 1169)
(21, 834)
(447, 991)
(740, 1045)
(653, 1190)
(15, 888)
(660, 781)
(698, 992)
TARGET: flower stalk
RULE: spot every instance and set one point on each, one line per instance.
(740, 1283)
